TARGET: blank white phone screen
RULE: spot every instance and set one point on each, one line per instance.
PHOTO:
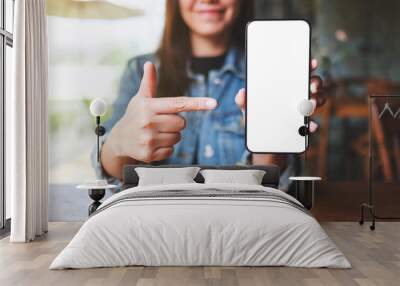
(277, 80)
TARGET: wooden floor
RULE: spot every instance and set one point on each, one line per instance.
(375, 257)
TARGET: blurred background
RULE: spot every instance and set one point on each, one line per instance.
(356, 43)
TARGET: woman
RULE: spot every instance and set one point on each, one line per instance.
(187, 114)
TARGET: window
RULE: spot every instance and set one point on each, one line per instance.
(89, 47)
(6, 43)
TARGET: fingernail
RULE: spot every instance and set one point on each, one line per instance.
(314, 62)
(211, 103)
(313, 87)
(313, 126)
(147, 63)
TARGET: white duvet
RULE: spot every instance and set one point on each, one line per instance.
(200, 231)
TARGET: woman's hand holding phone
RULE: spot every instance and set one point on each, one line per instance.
(315, 89)
(151, 126)
(317, 98)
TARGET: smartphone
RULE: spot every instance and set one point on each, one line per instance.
(277, 79)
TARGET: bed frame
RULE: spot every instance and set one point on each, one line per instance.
(270, 179)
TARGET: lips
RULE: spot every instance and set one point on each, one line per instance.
(211, 11)
(211, 14)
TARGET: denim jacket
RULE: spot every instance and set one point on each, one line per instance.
(215, 137)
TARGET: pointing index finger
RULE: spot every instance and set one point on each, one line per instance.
(168, 105)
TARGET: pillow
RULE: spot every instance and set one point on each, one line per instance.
(248, 177)
(162, 176)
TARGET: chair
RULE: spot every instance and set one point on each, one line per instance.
(378, 87)
(340, 105)
(320, 152)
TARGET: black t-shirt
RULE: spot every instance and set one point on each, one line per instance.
(202, 65)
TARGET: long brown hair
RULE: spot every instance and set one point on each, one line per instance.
(175, 49)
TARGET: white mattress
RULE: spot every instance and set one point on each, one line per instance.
(191, 231)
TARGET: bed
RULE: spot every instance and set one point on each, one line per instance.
(198, 224)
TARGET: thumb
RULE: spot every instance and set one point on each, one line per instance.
(241, 99)
(148, 85)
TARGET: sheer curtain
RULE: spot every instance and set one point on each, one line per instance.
(26, 124)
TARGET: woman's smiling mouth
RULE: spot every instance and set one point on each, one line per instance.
(211, 13)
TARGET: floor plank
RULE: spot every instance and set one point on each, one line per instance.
(375, 257)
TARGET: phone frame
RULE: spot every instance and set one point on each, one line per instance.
(308, 88)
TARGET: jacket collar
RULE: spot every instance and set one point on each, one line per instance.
(234, 62)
